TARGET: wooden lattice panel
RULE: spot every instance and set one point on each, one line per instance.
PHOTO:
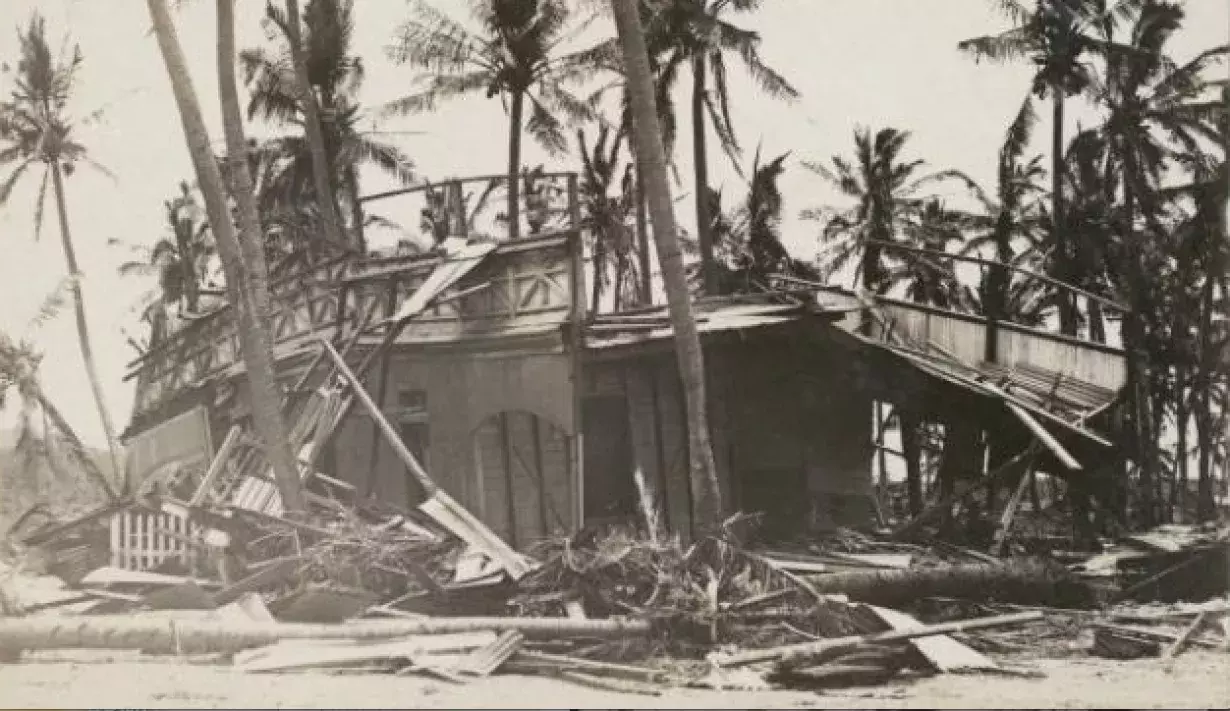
(142, 540)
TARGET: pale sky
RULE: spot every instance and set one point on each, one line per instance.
(871, 62)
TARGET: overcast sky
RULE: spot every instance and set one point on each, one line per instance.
(870, 62)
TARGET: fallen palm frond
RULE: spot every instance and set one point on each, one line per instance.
(389, 561)
(694, 591)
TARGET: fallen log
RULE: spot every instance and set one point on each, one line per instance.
(796, 655)
(1023, 582)
(184, 636)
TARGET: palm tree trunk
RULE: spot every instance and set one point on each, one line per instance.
(321, 167)
(77, 449)
(1209, 362)
(1067, 303)
(700, 160)
(1181, 417)
(651, 155)
(514, 164)
(83, 330)
(254, 341)
(264, 391)
(642, 239)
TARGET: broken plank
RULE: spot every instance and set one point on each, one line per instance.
(266, 576)
(108, 575)
(1176, 647)
(306, 654)
(798, 654)
(1044, 436)
(942, 652)
(485, 660)
(527, 659)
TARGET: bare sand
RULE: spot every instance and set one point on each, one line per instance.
(1197, 679)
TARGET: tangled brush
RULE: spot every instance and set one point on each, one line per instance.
(388, 559)
(709, 593)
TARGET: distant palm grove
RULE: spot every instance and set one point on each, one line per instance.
(1129, 210)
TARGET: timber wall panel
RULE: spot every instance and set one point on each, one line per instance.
(643, 431)
(673, 437)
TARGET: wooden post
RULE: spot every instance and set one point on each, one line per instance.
(1014, 503)
(576, 443)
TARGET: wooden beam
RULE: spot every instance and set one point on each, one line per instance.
(1014, 503)
(1045, 437)
(220, 460)
(390, 433)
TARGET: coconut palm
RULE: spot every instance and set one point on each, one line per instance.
(36, 129)
(699, 35)
(1157, 115)
(888, 196)
(706, 494)
(180, 261)
(1009, 228)
(608, 200)
(516, 57)
(1059, 37)
(242, 254)
(42, 427)
(747, 239)
(336, 77)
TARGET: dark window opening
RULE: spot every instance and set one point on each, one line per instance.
(411, 418)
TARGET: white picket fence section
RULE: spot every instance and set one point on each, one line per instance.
(140, 540)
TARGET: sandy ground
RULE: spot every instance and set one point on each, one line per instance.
(1197, 679)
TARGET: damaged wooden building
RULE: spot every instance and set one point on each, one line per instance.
(538, 416)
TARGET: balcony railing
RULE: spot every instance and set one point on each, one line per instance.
(525, 283)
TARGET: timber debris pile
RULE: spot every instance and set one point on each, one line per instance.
(357, 589)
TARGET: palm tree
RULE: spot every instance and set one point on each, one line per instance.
(180, 261)
(515, 57)
(887, 199)
(244, 263)
(747, 240)
(696, 33)
(37, 128)
(19, 364)
(608, 199)
(1055, 36)
(1010, 224)
(335, 77)
(1155, 113)
(651, 154)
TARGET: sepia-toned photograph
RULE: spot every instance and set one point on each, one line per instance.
(614, 354)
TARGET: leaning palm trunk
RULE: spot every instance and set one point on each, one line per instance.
(186, 636)
(321, 166)
(76, 448)
(254, 341)
(706, 495)
(264, 391)
(83, 331)
(700, 159)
